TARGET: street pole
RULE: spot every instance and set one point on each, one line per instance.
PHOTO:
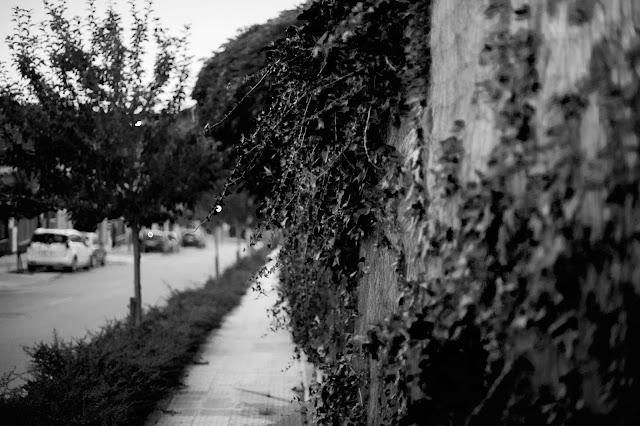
(15, 248)
(239, 243)
(137, 289)
(215, 240)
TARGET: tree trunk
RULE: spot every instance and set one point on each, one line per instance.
(137, 290)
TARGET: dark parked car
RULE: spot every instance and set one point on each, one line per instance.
(193, 237)
(98, 252)
(154, 241)
(174, 240)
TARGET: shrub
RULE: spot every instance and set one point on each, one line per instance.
(117, 375)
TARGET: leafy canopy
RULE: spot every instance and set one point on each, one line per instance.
(110, 145)
(233, 87)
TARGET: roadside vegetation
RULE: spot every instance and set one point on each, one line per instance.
(117, 375)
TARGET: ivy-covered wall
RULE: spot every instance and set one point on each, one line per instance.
(438, 110)
(458, 186)
(526, 225)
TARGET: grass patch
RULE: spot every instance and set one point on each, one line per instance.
(117, 375)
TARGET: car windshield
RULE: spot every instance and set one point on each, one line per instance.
(49, 238)
(153, 236)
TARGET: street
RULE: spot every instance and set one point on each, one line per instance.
(32, 306)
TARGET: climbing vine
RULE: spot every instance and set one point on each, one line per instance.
(526, 307)
(320, 147)
(531, 317)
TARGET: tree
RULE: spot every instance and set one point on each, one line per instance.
(114, 135)
(231, 74)
(233, 87)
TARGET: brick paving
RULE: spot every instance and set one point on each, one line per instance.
(246, 374)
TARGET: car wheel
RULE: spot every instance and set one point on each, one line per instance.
(92, 262)
(103, 261)
(74, 265)
(31, 268)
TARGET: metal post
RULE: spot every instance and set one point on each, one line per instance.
(238, 247)
(137, 288)
(215, 240)
(13, 229)
(15, 248)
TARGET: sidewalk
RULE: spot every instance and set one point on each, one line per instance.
(246, 374)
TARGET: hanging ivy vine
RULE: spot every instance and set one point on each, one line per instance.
(320, 148)
(529, 314)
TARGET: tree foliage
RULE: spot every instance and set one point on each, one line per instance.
(106, 141)
(21, 194)
(233, 86)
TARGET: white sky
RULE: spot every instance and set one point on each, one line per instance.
(213, 22)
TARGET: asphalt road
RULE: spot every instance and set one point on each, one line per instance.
(32, 306)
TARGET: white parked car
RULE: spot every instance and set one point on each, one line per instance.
(58, 248)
